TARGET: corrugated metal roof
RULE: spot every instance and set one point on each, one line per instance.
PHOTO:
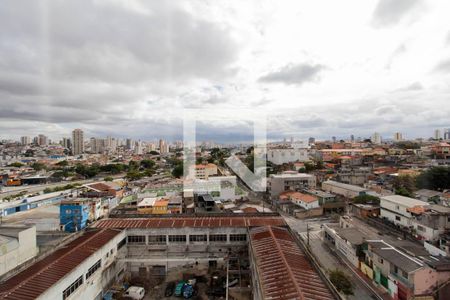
(284, 271)
(238, 221)
(36, 279)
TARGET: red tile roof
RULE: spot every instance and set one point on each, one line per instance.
(40, 276)
(283, 270)
(238, 221)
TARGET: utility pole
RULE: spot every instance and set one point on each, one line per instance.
(307, 233)
(226, 291)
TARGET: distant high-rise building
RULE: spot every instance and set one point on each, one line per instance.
(447, 134)
(42, 140)
(77, 142)
(163, 147)
(437, 134)
(25, 140)
(66, 143)
(97, 145)
(129, 144)
(352, 138)
(333, 139)
(311, 140)
(376, 138)
(398, 137)
(138, 148)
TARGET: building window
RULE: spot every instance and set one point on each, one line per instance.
(238, 237)
(420, 228)
(94, 268)
(136, 239)
(397, 207)
(157, 239)
(177, 238)
(397, 218)
(72, 288)
(380, 260)
(122, 243)
(218, 238)
(197, 238)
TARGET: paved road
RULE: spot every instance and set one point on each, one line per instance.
(326, 257)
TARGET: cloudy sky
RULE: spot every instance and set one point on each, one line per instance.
(314, 68)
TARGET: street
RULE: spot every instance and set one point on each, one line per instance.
(327, 258)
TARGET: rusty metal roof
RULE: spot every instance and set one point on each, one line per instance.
(284, 271)
(40, 276)
(190, 222)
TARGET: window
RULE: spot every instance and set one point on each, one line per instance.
(397, 207)
(157, 239)
(177, 238)
(218, 238)
(380, 260)
(197, 238)
(72, 288)
(122, 243)
(420, 228)
(136, 239)
(395, 269)
(238, 237)
(94, 268)
(398, 218)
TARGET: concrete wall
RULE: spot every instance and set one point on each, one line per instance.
(21, 250)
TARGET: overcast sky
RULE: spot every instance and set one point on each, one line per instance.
(315, 68)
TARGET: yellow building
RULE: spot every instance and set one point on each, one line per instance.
(153, 206)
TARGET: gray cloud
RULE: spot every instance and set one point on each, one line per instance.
(390, 12)
(443, 67)
(415, 86)
(294, 74)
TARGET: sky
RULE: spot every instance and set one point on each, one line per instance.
(130, 68)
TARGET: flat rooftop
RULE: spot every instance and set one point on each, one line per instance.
(402, 200)
(350, 187)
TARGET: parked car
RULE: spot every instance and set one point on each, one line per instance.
(169, 289)
(179, 289)
(135, 292)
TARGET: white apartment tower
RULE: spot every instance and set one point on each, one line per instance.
(437, 134)
(77, 142)
(25, 140)
(376, 138)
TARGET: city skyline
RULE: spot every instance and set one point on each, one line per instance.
(382, 66)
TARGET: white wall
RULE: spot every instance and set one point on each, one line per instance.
(95, 284)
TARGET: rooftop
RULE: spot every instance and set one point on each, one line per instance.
(410, 202)
(36, 279)
(350, 187)
(398, 258)
(179, 222)
(284, 271)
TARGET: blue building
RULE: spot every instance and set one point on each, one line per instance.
(74, 214)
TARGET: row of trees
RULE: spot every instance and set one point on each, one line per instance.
(435, 178)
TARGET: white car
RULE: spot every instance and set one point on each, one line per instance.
(135, 292)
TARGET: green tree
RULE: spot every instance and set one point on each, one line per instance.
(134, 175)
(63, 163)
(435, 178)
(365, 199)
(38, 166)
(404, 183)
(178, 171)
(341, 281)
(108, 178)
(403, 192)
(147, 163)
(16, 165)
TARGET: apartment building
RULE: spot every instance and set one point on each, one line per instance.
(289, 181)
(343, 189)
(400, 210)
